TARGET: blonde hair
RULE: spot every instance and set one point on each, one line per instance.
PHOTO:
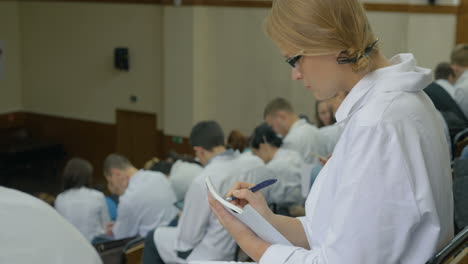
(459, 55)
(322, 27)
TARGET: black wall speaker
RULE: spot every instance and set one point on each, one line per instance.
(121, 59)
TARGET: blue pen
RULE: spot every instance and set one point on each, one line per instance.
(257, 187)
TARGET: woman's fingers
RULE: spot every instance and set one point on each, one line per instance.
(239, 186)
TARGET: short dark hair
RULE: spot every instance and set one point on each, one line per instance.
(265, 134)
(162, 166)
(115, 161)
(77, 173)
(277, 104)
(443, 71)
(207, 134)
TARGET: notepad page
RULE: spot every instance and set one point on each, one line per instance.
(260, 226)
(220, 199)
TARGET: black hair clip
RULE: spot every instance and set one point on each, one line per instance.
(367, 51)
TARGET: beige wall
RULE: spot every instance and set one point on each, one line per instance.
(178, 70)
(431, 38)
(239, 69)
(232, 69)
(10, 86)
(68, 58)
(187, 63)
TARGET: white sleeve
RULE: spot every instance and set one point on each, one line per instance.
(195, 215)
(125, 224)
(103, 211)
(366, 224)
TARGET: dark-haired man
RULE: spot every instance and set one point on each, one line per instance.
(199, 235)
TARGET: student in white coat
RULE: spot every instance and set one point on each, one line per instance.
(146, 198)
(33, 232)
(199, 235)
(85, 208)
(385, 196)
(182, 175)
(281, 164)
(459, 60)
(330, 131)
(297, 134)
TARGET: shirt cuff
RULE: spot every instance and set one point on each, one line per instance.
(277, 254)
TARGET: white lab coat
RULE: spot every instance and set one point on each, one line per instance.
(84, 208)
(305, 139)
(385, 196)
(33, 232)
(329, 138)
(147, 203)
(286, 167)
(181, 176)
(199, 230)
(461, 92)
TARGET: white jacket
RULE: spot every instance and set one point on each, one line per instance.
(147, 203)
(199, 230)
(305, 139)
(33, 232)
(286, 168)
(182, 175)
(385, 196)
(84, 208)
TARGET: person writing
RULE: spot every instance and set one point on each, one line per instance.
(385, 195)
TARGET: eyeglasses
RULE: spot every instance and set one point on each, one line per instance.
(293, 60)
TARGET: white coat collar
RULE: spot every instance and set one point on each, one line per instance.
(226, 154)
(402, 76)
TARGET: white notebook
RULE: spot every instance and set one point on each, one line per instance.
(249, 216)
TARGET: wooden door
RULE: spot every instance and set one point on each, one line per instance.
(136, 136)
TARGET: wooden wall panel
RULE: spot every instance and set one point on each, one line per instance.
(183, 147)
(86, 139)
(462, 22)
(89, 140)
(12, 120)
(136, 136)
(406, 8)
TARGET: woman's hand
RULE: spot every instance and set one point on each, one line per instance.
(245, 237)
(244, 196)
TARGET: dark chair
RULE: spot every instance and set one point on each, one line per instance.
(111, 251)
(132, 253)
(460, 198)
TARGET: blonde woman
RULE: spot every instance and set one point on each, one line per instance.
(385, 195)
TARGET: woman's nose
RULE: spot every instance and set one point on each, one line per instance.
(295, 74)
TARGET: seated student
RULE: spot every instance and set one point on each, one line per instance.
(330, 131)
(441, 93)
(459, 62)
(33, 232)
(282, 164)
(181, 176)
(297, 134)
(445, 77)
(199, 235)
(146, 198)
(83, 207)
(324, 114)
(239, 142)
